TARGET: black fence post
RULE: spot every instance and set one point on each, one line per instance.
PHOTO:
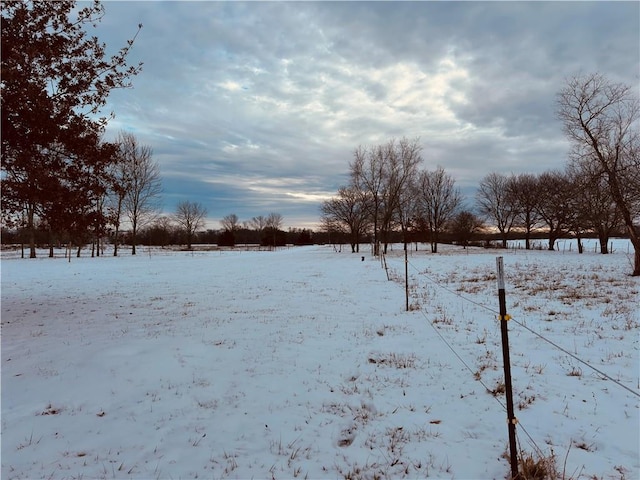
(511, 419)
(406, 277)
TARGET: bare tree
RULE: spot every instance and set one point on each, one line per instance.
(274, 220)
(142, 184)
(524, 191)
(258, 223)
(464, 226)
(162, 229)
(120, 181)
(381, 173)
(495, 203)
(439, 201)
(595, 209)
(601, 119)
(230, 222)
(401, 165)
(346, 213)
(554, 204)
(273, 225)
(367, 176)
(230, 225)
(190, 216)
(407, 210)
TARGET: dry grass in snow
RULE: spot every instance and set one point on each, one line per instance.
(302, 363)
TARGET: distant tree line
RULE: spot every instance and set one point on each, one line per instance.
(597, 193)
(184, 228)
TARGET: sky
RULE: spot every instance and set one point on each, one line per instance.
(257, 107)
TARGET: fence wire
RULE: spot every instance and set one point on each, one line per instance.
(433, 281)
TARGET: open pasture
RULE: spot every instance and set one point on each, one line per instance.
(303, 363)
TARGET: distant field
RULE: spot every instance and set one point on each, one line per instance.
(303, 363)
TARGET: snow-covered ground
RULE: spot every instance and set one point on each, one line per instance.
(303, 363)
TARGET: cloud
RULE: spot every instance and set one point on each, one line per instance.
(257, 107)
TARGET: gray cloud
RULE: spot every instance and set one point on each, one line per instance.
(257, 107)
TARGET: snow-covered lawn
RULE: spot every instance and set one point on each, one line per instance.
(302, 363)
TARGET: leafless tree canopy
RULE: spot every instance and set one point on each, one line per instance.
(495, 203)
(439, 202)
(346, 213)
(274, 221)
(230, 222)
(554, 204)
(596, 211)
(524, 191)
(258, 223)
(464, 225)
(142, 183)
(601, 118)
(190, 217)
(381, 173)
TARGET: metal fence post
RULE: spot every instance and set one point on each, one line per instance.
(511, 419)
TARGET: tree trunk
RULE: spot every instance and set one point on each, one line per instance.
(634, 236)
(32, 232)
(50, 244)
(604, 247)
(527, 233)
(619, 199)
(634, 233)
(580, 246)
(115, 243)
(376, 244)
(133, 238)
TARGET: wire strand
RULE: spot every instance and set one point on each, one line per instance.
(576, 358)
(550, 342)
(489, 309)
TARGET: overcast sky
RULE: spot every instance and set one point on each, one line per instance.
(257, 107)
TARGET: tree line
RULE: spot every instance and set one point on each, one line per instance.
(596, 193)
(186, 227)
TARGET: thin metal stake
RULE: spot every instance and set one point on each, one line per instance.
(511, 419)
(406, 277)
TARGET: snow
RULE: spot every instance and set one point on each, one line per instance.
(303, 363)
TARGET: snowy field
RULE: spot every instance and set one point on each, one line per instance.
(303, 363)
